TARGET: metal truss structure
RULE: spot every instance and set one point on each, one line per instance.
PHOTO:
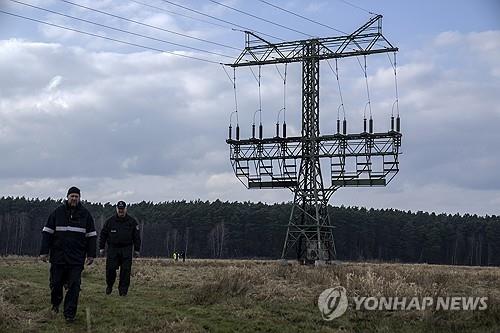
(298, 163)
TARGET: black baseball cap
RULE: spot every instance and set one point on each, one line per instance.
(121, 204)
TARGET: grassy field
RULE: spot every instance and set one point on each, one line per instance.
(246, 296)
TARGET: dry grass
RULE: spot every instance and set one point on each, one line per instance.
(217, 280)
(268, 281)
(11, 315)
(232, 283)
(223, 295)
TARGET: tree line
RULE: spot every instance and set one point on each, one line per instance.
(204, 229)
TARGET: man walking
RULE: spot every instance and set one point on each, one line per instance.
(121, 233)
(68, 237)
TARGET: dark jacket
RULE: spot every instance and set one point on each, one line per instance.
(69, 235)
(120, 232)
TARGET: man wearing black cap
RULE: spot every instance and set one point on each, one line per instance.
(121, 233)
(68, 238)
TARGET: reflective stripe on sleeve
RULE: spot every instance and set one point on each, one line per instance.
(91, 234)
(74, 229)
(47, 229)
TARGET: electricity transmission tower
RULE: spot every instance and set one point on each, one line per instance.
(363, 159)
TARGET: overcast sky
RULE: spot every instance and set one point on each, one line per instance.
(122, 122)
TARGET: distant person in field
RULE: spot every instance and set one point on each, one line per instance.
(67, 239)
(121, 233)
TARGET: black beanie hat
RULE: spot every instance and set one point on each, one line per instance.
(73, 189)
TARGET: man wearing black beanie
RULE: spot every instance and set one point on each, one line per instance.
(68, 237)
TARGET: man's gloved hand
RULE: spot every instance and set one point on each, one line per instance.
(44, 257)
(101, 252)
(136, 254)
(90, 260)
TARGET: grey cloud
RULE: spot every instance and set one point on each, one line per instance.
(162, 117)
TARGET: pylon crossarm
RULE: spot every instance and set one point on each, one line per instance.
(367, 39)
(329, 146)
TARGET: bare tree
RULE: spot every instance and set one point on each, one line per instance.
(174, 238)
(216, 239)
(8, 222)
(186, 240)
(142, 236)
(167, 241)
(22, 221)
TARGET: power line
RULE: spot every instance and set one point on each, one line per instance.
(260, 18)
(358, 7)
(220, 20)
(147, 25)
(108, 38)
(121, 30)
(313, 21)
(301, 16)
(179, 14)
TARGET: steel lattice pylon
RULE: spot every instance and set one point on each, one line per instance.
(364, 159)
(309, 225)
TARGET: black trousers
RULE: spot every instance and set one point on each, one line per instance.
(120, 257)
(71, 276)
